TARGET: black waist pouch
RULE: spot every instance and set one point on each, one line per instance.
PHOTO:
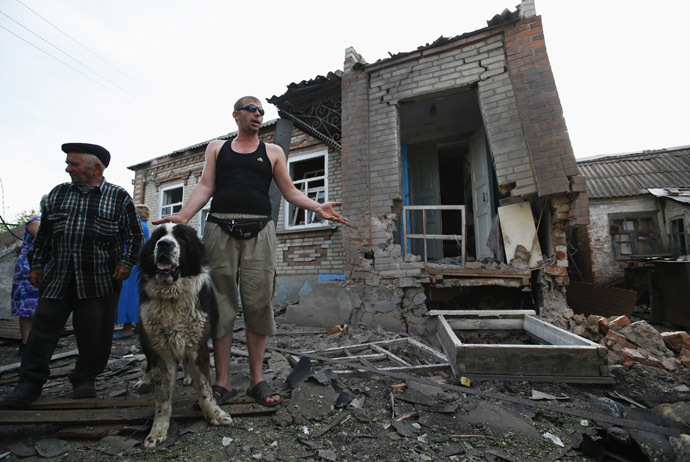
(241, 228)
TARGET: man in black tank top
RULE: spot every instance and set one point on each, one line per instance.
(237, 175)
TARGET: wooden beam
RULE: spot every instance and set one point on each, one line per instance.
(118, 415)
(477, 272)
(66, 354)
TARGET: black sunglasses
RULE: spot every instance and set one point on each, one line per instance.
(252, 108)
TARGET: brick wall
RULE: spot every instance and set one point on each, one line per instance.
(514, 170)
(540, 109)
(355, 164)
(317, 251)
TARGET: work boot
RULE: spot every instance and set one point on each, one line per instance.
(83, 390)
(23, 394)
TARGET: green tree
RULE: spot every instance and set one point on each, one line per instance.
(23, 216)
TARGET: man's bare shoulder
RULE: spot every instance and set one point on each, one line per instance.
(215, 144)
(274, 149)
(213, 147)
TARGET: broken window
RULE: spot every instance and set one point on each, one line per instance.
(171, 200)
(635, 235)
(309, 173)
(678, 239)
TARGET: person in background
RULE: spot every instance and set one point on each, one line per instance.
(85, 247)
(25, 296)
(128, 306)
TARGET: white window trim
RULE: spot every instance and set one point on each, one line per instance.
(286, 205)
(200, 217)
(161, 194)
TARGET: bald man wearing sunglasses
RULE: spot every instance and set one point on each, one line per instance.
(241, 242)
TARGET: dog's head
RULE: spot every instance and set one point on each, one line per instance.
(173, 251)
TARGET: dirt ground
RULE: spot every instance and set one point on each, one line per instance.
(382, 419)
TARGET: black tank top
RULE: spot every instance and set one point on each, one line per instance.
(242, 181)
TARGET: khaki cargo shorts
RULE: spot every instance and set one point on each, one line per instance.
(242, 270)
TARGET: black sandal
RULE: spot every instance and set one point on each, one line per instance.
(222, 395)
(261, 392)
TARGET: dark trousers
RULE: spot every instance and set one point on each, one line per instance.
(93, 320)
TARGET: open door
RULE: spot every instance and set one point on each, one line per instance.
(425, 190)
(482, 199)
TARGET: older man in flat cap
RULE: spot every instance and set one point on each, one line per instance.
(85, 247)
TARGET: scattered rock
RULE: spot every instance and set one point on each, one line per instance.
(22, 450)
(642, 334)
(676, 415)
(681, 447)
(51, 447)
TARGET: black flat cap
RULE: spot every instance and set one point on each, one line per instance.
(98, 151)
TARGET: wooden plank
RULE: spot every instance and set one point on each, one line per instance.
(587, 298)
(412, 369)
(481, 282)
(483, 313)
(555, 335)
(477, 272)
(89, 403)
(96, 432)
(393, 357)
(602, 380)
(122, 415)
(485, 324)
(428, 350)
(449, 342)
(530, 360)
(66, 354)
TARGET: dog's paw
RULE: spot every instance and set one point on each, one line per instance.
(154, 439)
(142, 386)
(220, 417)
(187, 380)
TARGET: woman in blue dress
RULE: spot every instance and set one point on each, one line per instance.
(128, 306)
(24, 295)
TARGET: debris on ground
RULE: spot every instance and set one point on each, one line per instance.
(339, 410)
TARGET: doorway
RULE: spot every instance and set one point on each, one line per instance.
(448, 163)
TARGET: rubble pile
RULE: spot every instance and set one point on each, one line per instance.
(634, 342)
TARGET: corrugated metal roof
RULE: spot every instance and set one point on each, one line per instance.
(632, 174)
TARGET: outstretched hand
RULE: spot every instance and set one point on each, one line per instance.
(170, 219)
(327, 212)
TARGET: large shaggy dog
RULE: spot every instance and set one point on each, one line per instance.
(177, 315)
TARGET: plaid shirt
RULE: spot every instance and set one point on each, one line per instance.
(84, 234)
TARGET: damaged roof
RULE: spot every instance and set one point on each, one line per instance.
(314, 105)
(634, 174)
(506, 16)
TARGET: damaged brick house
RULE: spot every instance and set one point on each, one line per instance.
(425, 149)
(639, 227)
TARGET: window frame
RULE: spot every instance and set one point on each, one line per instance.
(653, 234)
(202, 215)
(301, 157)
(165, 188)
(677, 236)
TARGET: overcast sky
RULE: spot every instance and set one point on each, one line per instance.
(147, 77)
